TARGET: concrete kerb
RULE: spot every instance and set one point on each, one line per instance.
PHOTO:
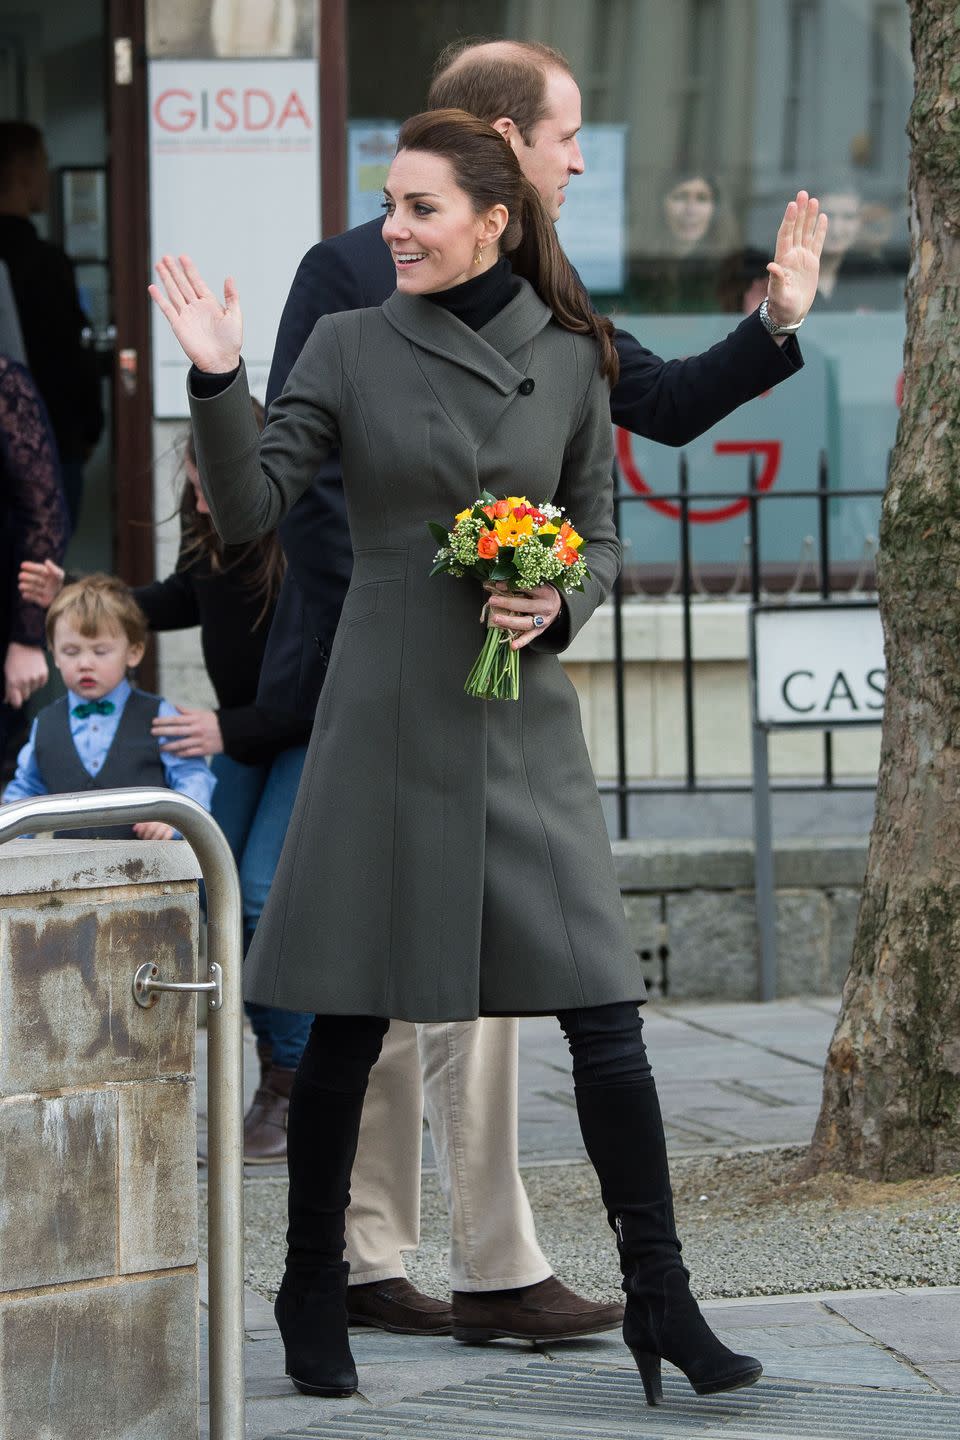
(658, 866)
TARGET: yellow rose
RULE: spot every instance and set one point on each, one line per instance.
(464, 515)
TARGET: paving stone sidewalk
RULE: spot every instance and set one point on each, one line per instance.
(875, 1363)
(868, 1364)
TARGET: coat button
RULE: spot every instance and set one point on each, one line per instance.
(526, 386)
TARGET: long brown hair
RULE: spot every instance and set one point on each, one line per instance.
(264, 557)
(486, 168)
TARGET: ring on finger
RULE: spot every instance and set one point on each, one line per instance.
(538, 621)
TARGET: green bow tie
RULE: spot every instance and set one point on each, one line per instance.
(93, 707)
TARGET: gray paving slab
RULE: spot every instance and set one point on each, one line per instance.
(923, 1327)
(946, 1376)
(727, 1075)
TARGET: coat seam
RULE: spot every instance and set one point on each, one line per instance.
(286, 908)
(395, 877)
(546, 841)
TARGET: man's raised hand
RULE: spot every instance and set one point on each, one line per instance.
(209, 332)
(795, 267)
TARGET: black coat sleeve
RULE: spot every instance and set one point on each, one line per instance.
(170, 604)
(311, 597)
(674, 401)
(325, 283)
(253, 735)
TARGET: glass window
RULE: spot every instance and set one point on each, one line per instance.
(701, 119)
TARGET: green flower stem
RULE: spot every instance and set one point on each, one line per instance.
(496, 673)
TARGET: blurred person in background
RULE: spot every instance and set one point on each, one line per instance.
(50, 314)
(854, 271)
(692, 237)
(33, 526)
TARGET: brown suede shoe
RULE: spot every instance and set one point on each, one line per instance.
(396, 1306)
(265, 1124)
(548, 1311)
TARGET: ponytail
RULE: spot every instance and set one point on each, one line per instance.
(538, 256)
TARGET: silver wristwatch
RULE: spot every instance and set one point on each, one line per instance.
(771, 326)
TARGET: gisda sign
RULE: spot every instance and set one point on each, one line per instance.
(235, 184)
(817, 664)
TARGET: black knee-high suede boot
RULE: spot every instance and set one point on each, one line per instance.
(324, 1122)
(623, 1134)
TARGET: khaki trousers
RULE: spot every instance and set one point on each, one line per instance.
(464, 1076)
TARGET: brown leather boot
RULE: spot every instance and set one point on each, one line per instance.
(251, 1120)
(265, 1138)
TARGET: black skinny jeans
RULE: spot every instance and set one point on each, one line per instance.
(616, 1102)
(606, 1042)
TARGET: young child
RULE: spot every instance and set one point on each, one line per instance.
(98, 736)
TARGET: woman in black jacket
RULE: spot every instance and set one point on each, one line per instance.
(257, 754)
(33, 526)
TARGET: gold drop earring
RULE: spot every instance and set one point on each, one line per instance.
(478, 258)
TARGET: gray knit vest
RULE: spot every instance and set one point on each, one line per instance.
(133, 757)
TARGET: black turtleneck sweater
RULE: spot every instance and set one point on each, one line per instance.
(477, 300)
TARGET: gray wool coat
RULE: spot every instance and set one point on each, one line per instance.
(447, 857)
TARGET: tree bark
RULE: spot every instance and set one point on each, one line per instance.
(891, 1098)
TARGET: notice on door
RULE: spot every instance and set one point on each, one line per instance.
(234, 184)
(820, 665)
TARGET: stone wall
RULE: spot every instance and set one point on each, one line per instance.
(98, 1215)
(691, 910)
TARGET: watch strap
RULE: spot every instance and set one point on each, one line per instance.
(771, 326)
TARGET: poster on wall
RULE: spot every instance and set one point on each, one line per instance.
(371, 145)
(234, 184)
(593, 221)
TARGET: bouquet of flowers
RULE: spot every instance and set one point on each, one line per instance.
(522, 544)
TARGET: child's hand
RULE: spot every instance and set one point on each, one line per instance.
(40, 582)
(152, 830)
(189, 733)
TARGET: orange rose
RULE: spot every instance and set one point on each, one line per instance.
(501, 510)
(488, 511)
(568, 556)
(487, 545)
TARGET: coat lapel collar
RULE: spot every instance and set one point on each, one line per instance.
(484, 352)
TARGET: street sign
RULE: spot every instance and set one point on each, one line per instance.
(819, 665)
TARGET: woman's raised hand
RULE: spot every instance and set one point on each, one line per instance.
(210, 333)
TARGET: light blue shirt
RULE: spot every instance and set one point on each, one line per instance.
(93, 736)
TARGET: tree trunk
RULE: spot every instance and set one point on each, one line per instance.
(891, 1098)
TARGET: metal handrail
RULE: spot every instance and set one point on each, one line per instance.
(224, 1053)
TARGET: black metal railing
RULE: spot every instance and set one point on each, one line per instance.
(688, 589)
